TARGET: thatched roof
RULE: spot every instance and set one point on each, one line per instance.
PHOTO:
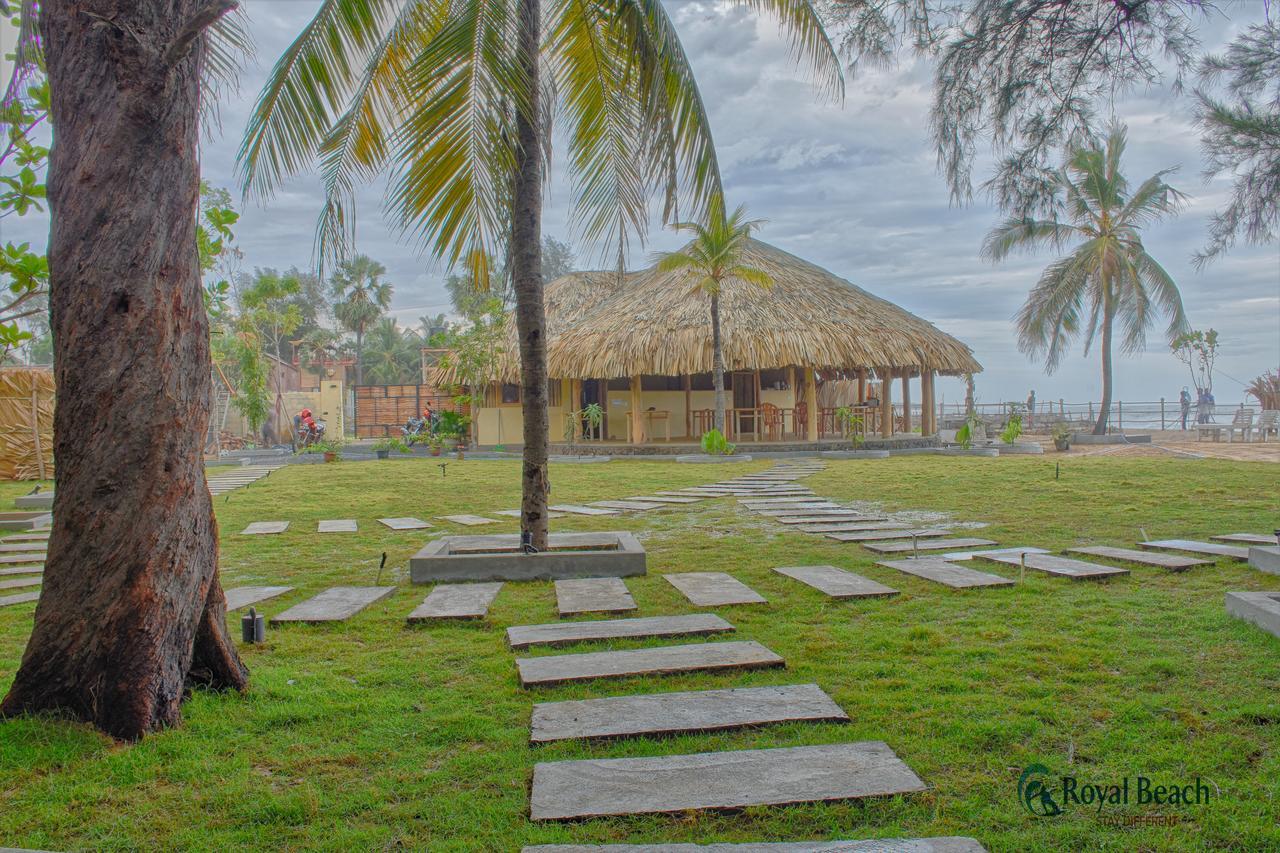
(658, 324)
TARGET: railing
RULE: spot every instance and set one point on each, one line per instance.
(1135, 414)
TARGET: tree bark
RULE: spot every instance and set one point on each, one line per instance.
(131, 612)
(526, 262)
(1104, 410)
(717, 362)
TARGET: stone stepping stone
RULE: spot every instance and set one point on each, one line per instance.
(456, 601)
(851, 526)
(26, 537)
(468, 520)
(627, 505)
(819, 508)
(30, 557)
(969, 555)
(936, 844)
(662, 660)
(664, 499)
(19, 583)
(565, 790)
(1260, 608)
(583, 510)
(768, 502)
(20, 598)
(592, 595)
(674, 713)
(714, 589)
(1064, 567)
(1246, 538)
(509, 543)
(1173, 562)
(1215, 549)
(36, 569)
(563, 633)
(265, 527)
(948, 574)
(837, 583)
(925, 545)
(22, 547)
(879, 535)
(404, 523)
(335, 604)
(240, 597)
(515, 513)
(337, 525)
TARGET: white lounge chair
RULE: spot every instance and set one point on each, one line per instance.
(1268, 424)
(1242, 423)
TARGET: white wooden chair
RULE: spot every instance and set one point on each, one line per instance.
(1268, 424)
(1242, 423)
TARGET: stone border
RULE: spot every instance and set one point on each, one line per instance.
(1265, 558)
(698, 458)
(438, 561)
(854, 454)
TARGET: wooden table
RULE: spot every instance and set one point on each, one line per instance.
(650, 416)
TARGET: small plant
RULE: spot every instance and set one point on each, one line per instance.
(330, 447)
(1061, 433)
(383, 446)
(453, 425)
(715, 444)
(965, 435)
(851, 423)
(1012, 429)
(435, 441)
(592, 413)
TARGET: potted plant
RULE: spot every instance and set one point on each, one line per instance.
(1062, 435)
(382, 447)
(331, 448)
(435, 441)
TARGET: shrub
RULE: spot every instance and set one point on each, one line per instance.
(715, 444)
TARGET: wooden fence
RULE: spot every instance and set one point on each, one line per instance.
(26, 423)
(382, 409)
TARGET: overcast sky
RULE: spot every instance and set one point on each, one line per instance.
(852, 187)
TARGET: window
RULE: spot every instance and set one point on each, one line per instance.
(621, 383)
(778, 380)
(661, 383)
(553, 392)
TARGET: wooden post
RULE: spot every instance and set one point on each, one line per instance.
(811, 404)
(637, 416)
(906, 400)
(35, 431)
(575, 400)
(886, 402)
(927, 427)
(688, 405)
(862, 384)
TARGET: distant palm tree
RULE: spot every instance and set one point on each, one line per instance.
(714, 256)
(363, 297)
(393, 355)
(1109, 274)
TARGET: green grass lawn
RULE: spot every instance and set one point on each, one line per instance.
(371, 734)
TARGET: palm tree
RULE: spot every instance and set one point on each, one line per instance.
(363, 297)
(1109, 273)
(714, 256)
(454, 100)
(394, 355)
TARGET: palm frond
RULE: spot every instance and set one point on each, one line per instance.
(808, 40)
(1025, 234)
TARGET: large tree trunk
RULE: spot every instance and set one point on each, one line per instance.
(1104, 410)
(132, 611)
(717, 362)
(526, 275)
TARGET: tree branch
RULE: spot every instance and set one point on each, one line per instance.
(203, 18)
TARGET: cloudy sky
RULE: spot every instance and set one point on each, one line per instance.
(852, 187)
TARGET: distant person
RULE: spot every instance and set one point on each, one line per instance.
(1031, 406)
(1204, 407)
(1184, 406)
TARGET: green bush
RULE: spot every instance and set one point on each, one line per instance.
(715, 444)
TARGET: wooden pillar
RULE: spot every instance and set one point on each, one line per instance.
(862, 384)
(688, 405)
(637, 414)
(906, 400)
(574, 403)
(886, 402)
(811, 404)
(928, 408)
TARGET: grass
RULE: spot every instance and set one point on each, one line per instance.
(371, 734)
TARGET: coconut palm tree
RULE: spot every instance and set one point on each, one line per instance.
(454, 100)
(394, 355)
(363, 297)
(1108, 275)
(714, 256)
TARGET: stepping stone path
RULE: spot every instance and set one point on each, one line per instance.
(714, 589)
(882, 534)
(969, 555)
(404, 523)
(797, 508)
(515, 513)
(673, 713)
(241, 597)
(771, 502)
(583, 510)
(562, 633)
(849, 526)
(456, 601)
(718, 780)
(1233, 552)
(31, 557)
(592, 595)
(631, 505)
(22, 547)
(26, 537)
(20, 598)
(227, 481)
(1173, 562)
(1246, 538)
(468, 520)
(1061, 566)
(927, 545)
(837, 583)
(265, 527)
(664, 499)
(337, 525)
(558, 669)
(334, 605)
(937, 844)
(35, 569)
(948, 574)
(19, 583)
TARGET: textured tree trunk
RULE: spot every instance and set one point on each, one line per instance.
(131, 611)
(1104, 410)
(526, 260)
(717, 362)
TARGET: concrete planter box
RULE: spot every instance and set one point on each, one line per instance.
(1083, 438)
(854, 454)
(1265, 558)
(698, 458)
(579, 459)
(1260, 608)
(971, 451)
(916, 451)
(1017, 449)
(498, 558)
(40, 500)
(24, 520)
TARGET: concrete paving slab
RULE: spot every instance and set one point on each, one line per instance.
(636, 506)
(240, 597)
(468, 520)
(23, 547)
(920, 533)
(925, 545)
(673, 713)
(335, 604)
(1064, 567)
(20, 598)
(831, 518)
(563, 633)
(456, 601)
(404, 523)
(948, 574)
(583, 510)
(515, 513)
(337, 525)
(969, 555)
(593, 595)
(26, 537)
(664, 499)
(836, 582)
(1174, 562)
(35, 569)
(1265, 558)
(718, 780)
(264, 528)
(28, 557)
(1215, 549)
(772, 502)
(713, 589)
(661, 660)
(937, 844)
(1260, 608)
(850, 526)
(1246, 538)
(812, 508)
(20, 583)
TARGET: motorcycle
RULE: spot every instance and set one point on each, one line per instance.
(414, 429)
(307, 437)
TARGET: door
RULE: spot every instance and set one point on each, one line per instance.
(744, 397)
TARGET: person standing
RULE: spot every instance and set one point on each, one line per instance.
(1031, 407)
(1184, 406)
